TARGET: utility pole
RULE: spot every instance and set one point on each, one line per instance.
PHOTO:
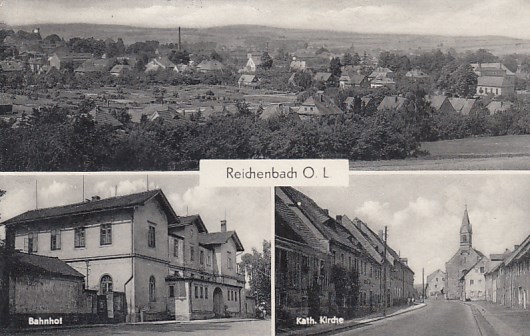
(423, 285)
(384, 274)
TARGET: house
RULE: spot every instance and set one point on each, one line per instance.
(11, 66)
(312, 249)
(381, 73)
(323, 77)
(440, 103)
(60, 58)
(167, 266)
(465, 259)
(161, 63)
(417, 74)
(474, 281)
(248, 81)
(353, 80)
(168, 117)
(491, 69)
(253, 63)
(381, 81)
(392, 103)
(210, 65)
(507, 282)
(435, 284)
(119, 70)
(93, 66)
(297, 65)
(278, 111)
(318, 105)
(496, 86)
(498, 106)
(465, 106)
(37, 64)
(104, 117)
(41, 286)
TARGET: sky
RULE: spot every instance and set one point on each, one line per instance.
(248, 210)
(439, 17)
(423, 213)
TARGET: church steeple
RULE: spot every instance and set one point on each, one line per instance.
(466, 232)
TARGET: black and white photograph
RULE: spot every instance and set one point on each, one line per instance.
(133, 254)
(161, 84)
(441, 254)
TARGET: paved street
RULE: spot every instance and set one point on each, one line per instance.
(438, 318)
(253, 327)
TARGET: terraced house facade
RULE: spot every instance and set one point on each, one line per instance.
(167, 266)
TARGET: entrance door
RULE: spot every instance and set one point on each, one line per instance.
(218, 303)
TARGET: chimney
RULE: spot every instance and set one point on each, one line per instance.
(180, 41)
(339, 218)
(381, 235)
(405, 261)
(223, 225)
(515, 247)
(95, 198)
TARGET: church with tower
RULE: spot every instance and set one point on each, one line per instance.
(462, 266)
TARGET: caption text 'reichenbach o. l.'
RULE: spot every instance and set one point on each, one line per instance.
(292, 173)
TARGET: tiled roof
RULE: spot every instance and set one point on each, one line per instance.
(498, 106)
(324, 105)
(211, 65)
(322, 76)
(436, 101)
(463, 105)
(362, 239)
(217, 238)
(519, 252)
(8, 66)
(247, 79)
(102, 117)
(276, 110)
(494, 81)
(24, 263)
(93, 206)
(392, 103)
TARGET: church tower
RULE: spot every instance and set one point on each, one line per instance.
(466, 232)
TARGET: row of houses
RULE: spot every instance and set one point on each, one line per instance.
(132, 255)
(328, 265)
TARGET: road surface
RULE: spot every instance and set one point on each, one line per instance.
(438, 318)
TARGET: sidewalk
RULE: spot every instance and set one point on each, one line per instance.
(505, 321)
(218, 320)
(328, 329)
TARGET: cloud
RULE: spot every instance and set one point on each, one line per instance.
(450, 17)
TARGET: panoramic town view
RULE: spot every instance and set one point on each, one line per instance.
(87, 97)
(368, 260)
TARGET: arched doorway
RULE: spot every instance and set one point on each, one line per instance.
(218, 303)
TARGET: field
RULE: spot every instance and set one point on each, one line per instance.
(485, 153)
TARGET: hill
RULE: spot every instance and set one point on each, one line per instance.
(259, 36)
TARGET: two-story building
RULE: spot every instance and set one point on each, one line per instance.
(138, 245)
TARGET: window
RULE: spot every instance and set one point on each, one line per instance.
(105, 284)
(176, 247)
(192, 253)
(482, 269)
(202, 292)
(209, 259)
(32, 243)
(206, 292)
(151, 237)
(235, 296)
(55, 240)
(105, 234)
(152, 289)
(171, 291)
(79, 237)
(464, 238)
(201, 257)
(471, 282)
(229, 259)
(196, 292)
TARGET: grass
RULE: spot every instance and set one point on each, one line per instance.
(484, 153)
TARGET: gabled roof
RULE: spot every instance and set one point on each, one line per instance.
(494, 81)
(120, 68)
(10, 66)
(247, 79)
(520, 252)
(477, 67)
(102, 117)
(106, 204)
(362, 239)
(322, 76)
(324, 105)
(498, 106)
(169, 118)
(94, 65)
(433, 274)
(416, 73)
(436, 101)
(219, 238)
(277, 110)
(463, 105)
(24, 263)
(190, 220)
(211, 65)
(380, 72)
(392, 103)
